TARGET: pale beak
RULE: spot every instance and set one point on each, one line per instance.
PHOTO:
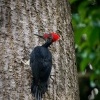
(39, 36)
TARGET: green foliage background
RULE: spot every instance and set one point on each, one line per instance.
(86, 25)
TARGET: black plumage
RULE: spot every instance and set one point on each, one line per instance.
(41, 65)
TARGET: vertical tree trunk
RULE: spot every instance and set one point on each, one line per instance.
(19, 21)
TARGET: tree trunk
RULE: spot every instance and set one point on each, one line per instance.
(19, 21)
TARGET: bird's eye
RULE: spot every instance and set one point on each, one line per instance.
(50, 36)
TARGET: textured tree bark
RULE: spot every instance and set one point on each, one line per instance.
(19, 21)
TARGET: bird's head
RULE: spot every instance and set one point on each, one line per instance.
(51, 36)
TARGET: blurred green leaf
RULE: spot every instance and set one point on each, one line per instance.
(86, 24)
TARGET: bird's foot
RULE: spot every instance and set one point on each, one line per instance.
(25, 62)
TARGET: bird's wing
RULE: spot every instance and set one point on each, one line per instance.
(41, 62)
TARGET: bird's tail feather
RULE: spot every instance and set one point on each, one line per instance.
(39, 90)
(37, 94)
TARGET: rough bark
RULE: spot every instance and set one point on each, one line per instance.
(19, 21)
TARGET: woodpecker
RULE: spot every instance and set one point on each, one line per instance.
(41, 65)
